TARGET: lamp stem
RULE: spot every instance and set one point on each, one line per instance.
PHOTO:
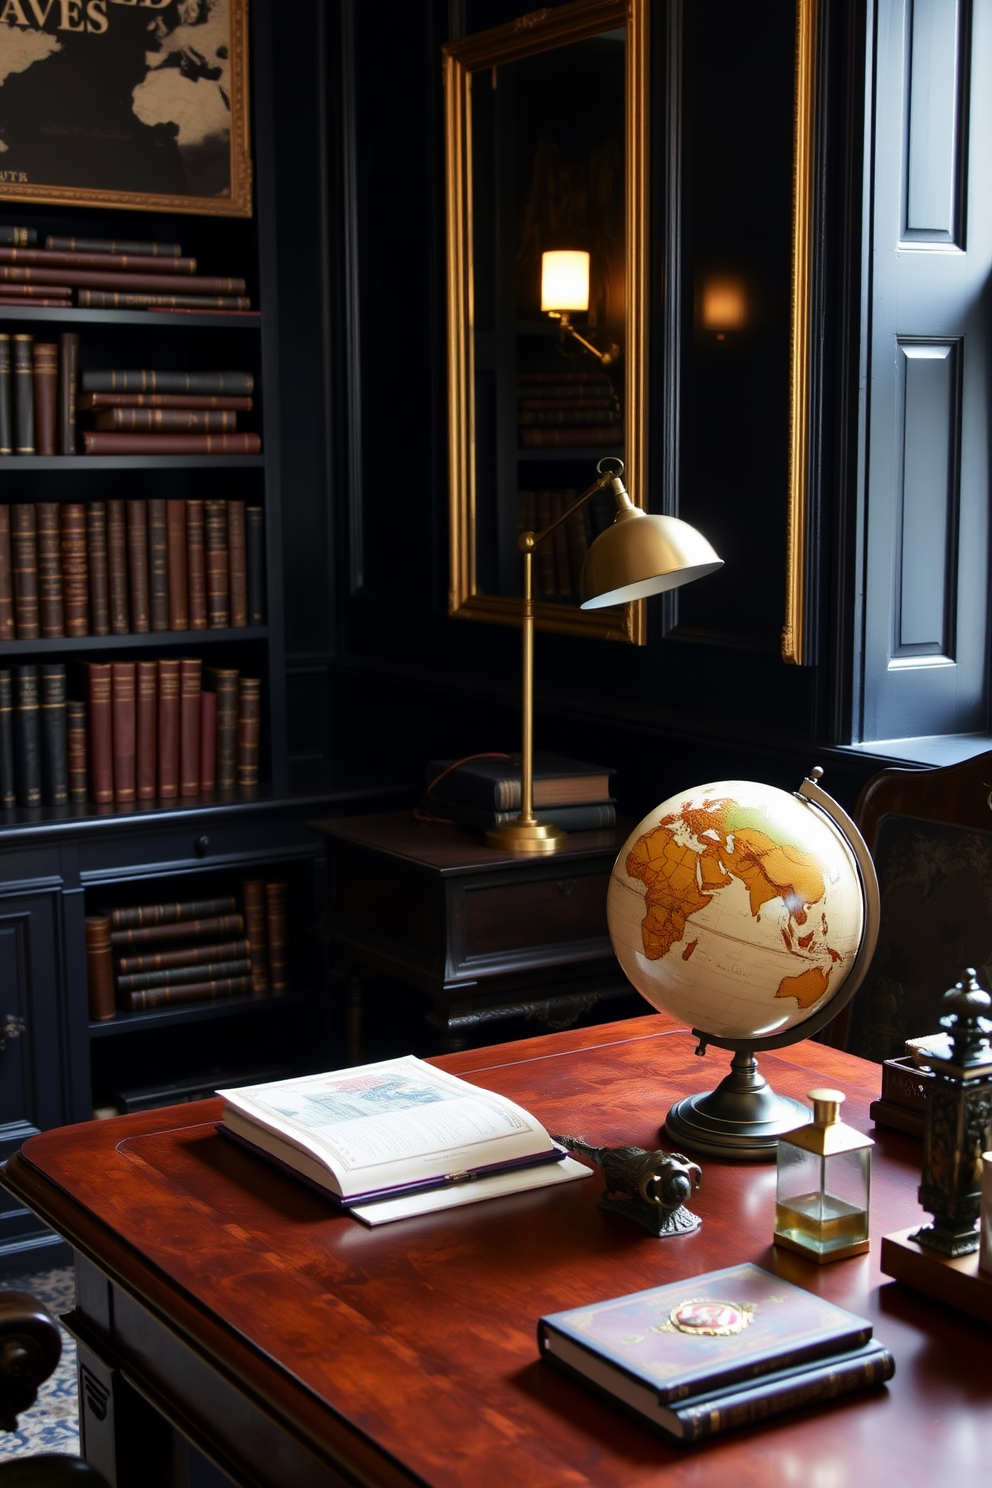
(527, 755)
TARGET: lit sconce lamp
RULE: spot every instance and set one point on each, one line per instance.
(637, 556)
(564, 289)
(723, 304)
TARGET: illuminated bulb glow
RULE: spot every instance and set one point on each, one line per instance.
(724, 305)
(565, 280)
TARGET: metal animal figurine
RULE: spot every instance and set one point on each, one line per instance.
(649, 1187)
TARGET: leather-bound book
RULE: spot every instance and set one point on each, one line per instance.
(249, 729)
(189, 725)
(255, 562)
(122, 299)
(152, 997)
(99, 969)
(93, 402)
(166, 421)
(100, 714)
(79, 278)
(96, 554)
(124, 731)
(137, 565)
(141, 916)
(149, 935)
(49, 569)
(158, 565)
(116, 380)
(24, 550)
(253, 895)
(75, 570)
(171, 444)
(237, 563)
(45, 359)
(7, 631)
(175, 522)
(54, 751)
(196, 571)
(193, 955)
(68, 379)
(218, 592)
(8, 780)
(140, 981)
(120, 609)
(23, 347)
(27, 736)
(146, 730)
(103, 259)
(168, 729)
(113, 245)
(224, 682)
(276, 895)
(208, 741)
(75, 733)
(6, 397)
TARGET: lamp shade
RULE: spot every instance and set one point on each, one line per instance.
(642, 554)
(565, 280)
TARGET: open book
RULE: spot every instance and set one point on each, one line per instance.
(397, 1138)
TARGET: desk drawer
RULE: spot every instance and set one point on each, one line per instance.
(508, 918)
(193, 846)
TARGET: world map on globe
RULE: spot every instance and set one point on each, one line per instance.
(737, 907)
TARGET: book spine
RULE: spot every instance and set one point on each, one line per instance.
(176, 538)
(75, 570)
(113, 299)
(249, 729)
(124, 730)
(168, 729)
(8, 779)
(153, 997)
(45, 361)
(6, 397)
(27, 736)
(237, 560)
(18, 237)
(91, 402)
(253, 896)
(7, 630)
(99, 969)
(137, 565)
(68, 378)
(276, 895)
(189, 726)
(597, 435)
(54, 752)
(169, 444)
(208, 741)
(111, 245)
(50, 608)
(238, 384)
(8, 298)
(34, 294)
(101, 731)
(146, 730)
(167, 420)
(208, 971)
(24, 546)
(76, 258)
(225, 684)
(196, 571)
(232, 924)
(120, 623)
(194, 955)
(75, 731)
(141, 916)
(158, 565)
(24, 395)
(255, 564)
(96, 554)
(585, 818)
(160, 282)
(218, 602)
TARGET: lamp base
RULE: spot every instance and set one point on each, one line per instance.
(527, 837)
(742, 1117)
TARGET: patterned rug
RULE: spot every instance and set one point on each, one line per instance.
(52, 1423)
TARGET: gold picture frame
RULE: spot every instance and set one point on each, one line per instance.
(480, 54)
(126, 106)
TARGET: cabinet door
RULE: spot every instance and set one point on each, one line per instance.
(30, 1065)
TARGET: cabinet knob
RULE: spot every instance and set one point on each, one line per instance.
(11, 1028)
(202, 846)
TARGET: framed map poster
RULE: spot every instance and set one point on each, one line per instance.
(126, 103)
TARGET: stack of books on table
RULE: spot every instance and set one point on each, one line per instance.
(149, 412)
(485, 792)
(567, 410)
(155, 955)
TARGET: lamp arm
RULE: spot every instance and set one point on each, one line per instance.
(606, 357)
(528, 541)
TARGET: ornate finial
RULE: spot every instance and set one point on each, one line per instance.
(816, 773)
(966, 1007)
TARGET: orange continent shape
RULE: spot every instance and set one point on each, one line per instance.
(667, 870)
(807, 988)
(773, 870)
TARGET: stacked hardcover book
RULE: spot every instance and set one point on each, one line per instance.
(148, 412)
(129, 567)
(485, 791)
(567, 410)
(156, 955)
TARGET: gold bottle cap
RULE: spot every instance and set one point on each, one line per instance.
(826, 1106)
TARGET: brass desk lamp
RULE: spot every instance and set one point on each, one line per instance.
(638, 555)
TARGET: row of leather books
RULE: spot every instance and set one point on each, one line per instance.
(152, 731)
(567, 410)
(106, 274)
(38, 394)
(129, 567)
(155, 955)
(148, 412)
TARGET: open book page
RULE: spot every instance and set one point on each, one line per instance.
(378, 1126)
(384, 1211)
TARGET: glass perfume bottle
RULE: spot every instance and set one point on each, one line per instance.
(824, 1185)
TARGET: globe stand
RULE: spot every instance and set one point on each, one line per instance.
(743, 1117)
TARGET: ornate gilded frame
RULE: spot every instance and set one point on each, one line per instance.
(527, 35)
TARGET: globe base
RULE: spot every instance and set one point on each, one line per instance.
(743, 1117)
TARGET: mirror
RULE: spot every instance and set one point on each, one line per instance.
(546, 173)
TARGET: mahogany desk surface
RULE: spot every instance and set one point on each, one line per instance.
(407, 1353)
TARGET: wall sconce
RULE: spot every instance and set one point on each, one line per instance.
(564, 289)
(723, 305)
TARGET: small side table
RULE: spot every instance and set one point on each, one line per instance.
(488, 934)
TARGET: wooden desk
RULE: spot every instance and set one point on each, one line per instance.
(299, 1348)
